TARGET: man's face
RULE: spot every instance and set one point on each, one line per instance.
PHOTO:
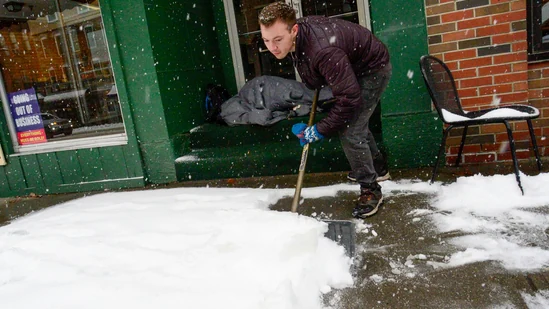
(278, 39)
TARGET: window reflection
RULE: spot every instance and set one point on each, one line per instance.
(344, 9)
(57, 49)
(256, 58)
(545, 22)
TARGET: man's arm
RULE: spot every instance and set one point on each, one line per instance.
(334, 65)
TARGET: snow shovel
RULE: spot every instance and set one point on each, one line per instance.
(340, 231)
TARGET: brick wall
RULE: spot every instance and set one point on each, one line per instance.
(484, 43)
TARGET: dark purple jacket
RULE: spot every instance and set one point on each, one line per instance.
(334, 52)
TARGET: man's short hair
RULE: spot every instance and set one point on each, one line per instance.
(277, 11)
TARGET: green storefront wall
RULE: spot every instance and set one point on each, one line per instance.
(411, 131)
(87, 169)
(163, 53)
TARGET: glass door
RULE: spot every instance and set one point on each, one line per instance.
(251, 58)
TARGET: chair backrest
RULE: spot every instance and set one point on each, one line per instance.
(441, 85)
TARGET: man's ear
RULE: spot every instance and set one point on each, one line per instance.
(294, 30)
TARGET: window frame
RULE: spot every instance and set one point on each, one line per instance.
(117, 137)
(537, 50)
(81, 9)
(363, 7)
(52, 18)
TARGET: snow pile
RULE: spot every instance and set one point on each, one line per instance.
(503, 225)
(178, 248)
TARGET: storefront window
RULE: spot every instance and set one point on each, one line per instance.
(538, 30)
(57, 78)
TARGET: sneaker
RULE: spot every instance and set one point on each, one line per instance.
(369, 201)
(380, 178)
(380, 165)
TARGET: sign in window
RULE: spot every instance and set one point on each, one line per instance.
(25, 113)
(57, 57)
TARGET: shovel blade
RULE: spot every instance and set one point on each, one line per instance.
(343, 233)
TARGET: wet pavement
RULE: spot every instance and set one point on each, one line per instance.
(397, 254)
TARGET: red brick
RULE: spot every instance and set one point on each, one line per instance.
(513, 57)
(439, 9)
(519, 97)
(474, 63)
(539, 124)
(520, 86)
(437, 29)
(538, 83)
(475, 82)
(474, 23)
(521, 155)
(452, 141)
(535, 93)
(518, 5)
(539, 104)
(473, 102)
(534, 75)
(458, 35)
(519, 135)
(495, 29)
(490, 147)
(509, 17)
(452, 65)
(509, 37)
(502, 137)
(451, 160)
(459, 74)
(479, 158)
(542, 140)
(492, 9)
(466, 149)
(538, 65)
(519, 67)
(492, 128)
(495, 89)
(467, 93)
(511, 77)
(523, 126)
(443, 48)
(461, 54)
(519, 46)
(457, 15)
(496, 69)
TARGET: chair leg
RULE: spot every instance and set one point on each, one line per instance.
(534, 143)
(513, 153)
(440, 152)
(461, 145)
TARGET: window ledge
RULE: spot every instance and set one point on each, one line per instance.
(538, 57)
(73, 144)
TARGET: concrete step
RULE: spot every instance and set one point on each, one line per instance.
(215, 135)
(277, 157)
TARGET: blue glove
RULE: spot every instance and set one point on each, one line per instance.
(306, 134)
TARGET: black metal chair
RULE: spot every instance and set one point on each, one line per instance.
(442, 88)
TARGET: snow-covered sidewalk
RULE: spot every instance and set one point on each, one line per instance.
(224, 248)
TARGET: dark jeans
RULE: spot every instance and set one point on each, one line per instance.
(357, 140)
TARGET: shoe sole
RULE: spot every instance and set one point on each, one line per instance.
(379, 179)
(371, 213)
(384, 177)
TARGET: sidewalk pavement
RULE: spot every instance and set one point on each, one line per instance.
(383, 278)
